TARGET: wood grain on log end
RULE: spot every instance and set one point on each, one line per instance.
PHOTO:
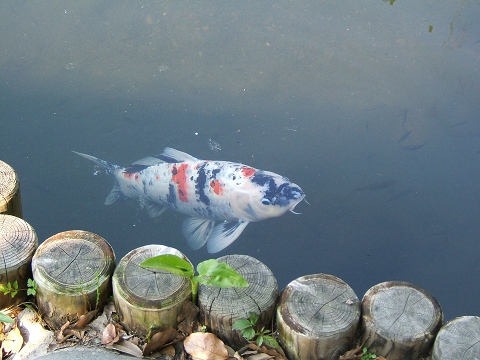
(148, 300)
(10, 199)
(399, 320)
(317, 316)
(18, 242)
(73, 273)
(220, 308)
(458, 339)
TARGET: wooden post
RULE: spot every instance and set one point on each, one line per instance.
(18, 242)
(220, 308)
(317, 316)
(148, 300)
(399, 320)
(458, 339)
(10, 202)
(73, 271)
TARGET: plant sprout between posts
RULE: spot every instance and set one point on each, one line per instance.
(210, 272)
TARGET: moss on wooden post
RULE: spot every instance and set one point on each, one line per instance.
(317, 316)
(10, 200)
(220, 308)
(73, 273)
(18, 242)
(145, 299)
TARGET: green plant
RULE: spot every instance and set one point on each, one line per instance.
(366, 355)
(210, 272)
(247, 329)
(32, 287)
(5, 318)
(12, 289)
(9, 289)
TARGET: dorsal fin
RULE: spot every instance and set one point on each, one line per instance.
(148, 161)
(170, 155)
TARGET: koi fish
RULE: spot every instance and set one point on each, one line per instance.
(207, 191)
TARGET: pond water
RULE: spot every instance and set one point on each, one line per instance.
(371, 107)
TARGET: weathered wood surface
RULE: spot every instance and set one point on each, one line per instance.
(73, 272)
(458, 339)
(18, 242)
(400, 320)
(145, 299)
(10, 200)
(317, 316)
(220, 308)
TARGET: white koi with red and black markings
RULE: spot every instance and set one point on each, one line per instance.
(207, 191)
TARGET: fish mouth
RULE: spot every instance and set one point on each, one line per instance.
(299, 200)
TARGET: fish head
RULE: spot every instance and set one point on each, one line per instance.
(267, 195)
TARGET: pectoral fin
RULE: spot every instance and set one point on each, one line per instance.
(154, 209)
(224, 234)
(115, 195)
(197, 231)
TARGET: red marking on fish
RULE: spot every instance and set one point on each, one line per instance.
(248, 171)
(217, 187)
(179, 177)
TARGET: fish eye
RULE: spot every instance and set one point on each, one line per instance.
(265, 201)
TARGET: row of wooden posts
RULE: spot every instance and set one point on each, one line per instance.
(317, 316)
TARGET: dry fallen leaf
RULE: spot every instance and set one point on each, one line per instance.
(13, 342)
(84, 319)
(277, 353)
(126, 347)
(109, 335)
(168, 350)
(161, 339)
(260, 356)
(64, 333)
(205, 346)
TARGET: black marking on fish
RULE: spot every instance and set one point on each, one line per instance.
(135, 168)
(200, 185)
(171, 197)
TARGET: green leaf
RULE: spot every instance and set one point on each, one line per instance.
(172, 263)
(270, 341)
(214, 273)
(31, 291)
(5, 318)
(248, 333)
(253, 318)
(259, 340)
(241, 324)
(31, 283)
(4, 289)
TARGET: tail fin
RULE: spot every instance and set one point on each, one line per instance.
(116, 193)
(108, 167)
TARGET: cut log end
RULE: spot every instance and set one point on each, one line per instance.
(10, 199)
(72, 270)
(399, 320)
(317, 317)
(458, 339)
(220, 308)
(18, 242)
(148, 300)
